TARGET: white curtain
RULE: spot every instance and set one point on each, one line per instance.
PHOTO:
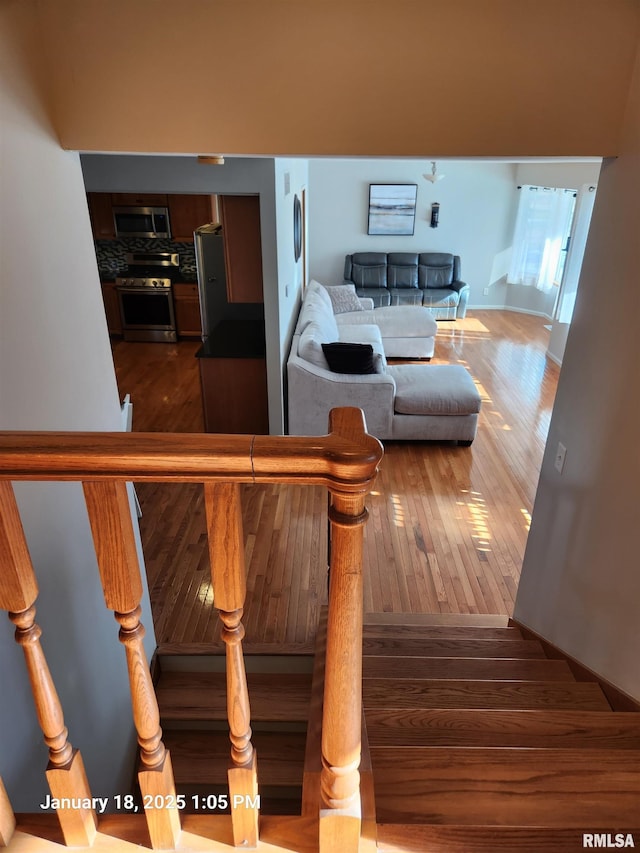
(542, 227)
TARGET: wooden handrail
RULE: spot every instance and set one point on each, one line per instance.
(345, 461)
(349, 463)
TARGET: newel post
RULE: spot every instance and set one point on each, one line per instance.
(112, 529)
(65, 772)
(226, 549)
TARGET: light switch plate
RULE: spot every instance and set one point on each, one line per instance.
(561, 453)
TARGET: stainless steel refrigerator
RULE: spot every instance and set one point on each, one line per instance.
(229, 329)
(212, 285)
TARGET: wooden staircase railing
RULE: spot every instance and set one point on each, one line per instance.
(345, 461)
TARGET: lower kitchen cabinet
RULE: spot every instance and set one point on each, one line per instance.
(186, 305)
(112, 308)
(234, 395)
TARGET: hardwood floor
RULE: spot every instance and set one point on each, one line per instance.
(448, 525)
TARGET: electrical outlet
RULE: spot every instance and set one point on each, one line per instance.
(486, 291)
(561, 453)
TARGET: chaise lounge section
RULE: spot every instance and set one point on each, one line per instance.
(405, 402)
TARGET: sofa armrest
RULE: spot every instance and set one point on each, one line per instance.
(458, 285)
(314, 391)
(366, 302)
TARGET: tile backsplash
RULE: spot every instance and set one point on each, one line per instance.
(112, 255)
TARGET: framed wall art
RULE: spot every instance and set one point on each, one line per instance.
(392, 209)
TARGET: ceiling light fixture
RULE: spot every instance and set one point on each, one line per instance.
(433, 177)
(212, 159)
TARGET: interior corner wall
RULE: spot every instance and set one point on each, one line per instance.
(477, 208)
(580, 585)
(291, 179)
(56, 373)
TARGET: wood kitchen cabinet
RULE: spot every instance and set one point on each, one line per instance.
(101, 215)
(240, 217)
(112, 308)
(186, 306)
(139, 199)
(234, 395)
(188, 212)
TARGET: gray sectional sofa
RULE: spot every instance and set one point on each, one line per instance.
(431, 279)
(403, 401)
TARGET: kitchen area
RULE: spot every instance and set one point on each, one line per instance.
(183, 272)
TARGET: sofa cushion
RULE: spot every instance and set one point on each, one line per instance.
(406, 296)
(346, 357)
(316, 308)
(440, 296)
(435, 269)
(344, 298)
(368, 269)
(402, 270)
(310, 344)
(395, 321)
(365, 334)
(438, 389)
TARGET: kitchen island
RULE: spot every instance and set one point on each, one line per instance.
(233, 377)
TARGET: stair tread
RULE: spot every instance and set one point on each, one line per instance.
(395, 838)
(517, 728)
(536, 787)
(203, 757)
(424, 631)
(402, 693)
(488, 620)
(492, 669)
(202, 696)
(447, 647)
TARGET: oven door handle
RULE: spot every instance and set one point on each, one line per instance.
(126, 289)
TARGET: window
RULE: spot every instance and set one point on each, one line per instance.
(540, 242)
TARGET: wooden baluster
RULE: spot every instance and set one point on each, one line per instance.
(112, 529)
(7, 818)
(18, 592)
(226, 549)
(340, 812)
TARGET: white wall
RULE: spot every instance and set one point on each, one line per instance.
(56, 373)
(140, 173)
(295, 175)
(580, 584)
(477, 206)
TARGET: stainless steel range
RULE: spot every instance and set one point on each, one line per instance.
(146, 298)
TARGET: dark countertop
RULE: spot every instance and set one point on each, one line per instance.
(235, 338)
(181, 278)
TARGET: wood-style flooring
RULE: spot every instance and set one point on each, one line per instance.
(447, 528)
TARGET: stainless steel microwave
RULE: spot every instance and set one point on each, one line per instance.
(150, 222)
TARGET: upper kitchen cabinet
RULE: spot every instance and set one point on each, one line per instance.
(101, 215)
(139, 199)
(188, 212)
(240, 218)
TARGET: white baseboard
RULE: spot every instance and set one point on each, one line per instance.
(553, 358)
(509, 308)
